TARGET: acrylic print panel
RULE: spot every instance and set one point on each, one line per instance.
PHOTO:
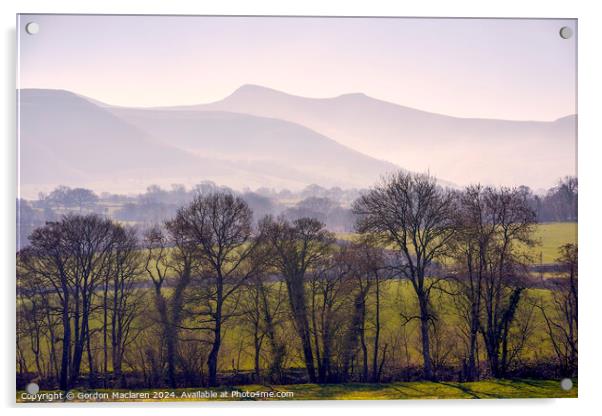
(279, 208)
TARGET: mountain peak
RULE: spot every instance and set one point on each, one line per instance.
(353, 95)
(254, 89)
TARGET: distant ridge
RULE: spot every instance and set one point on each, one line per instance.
(259, 136)
(462, 150)
(77, 141)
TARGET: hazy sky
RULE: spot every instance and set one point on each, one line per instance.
(513, 69)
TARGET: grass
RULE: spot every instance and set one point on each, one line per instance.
(552, 236)
(237, 353)
(397, 296)
(549, 236)
(486, 389)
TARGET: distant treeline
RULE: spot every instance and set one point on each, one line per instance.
(436, 285)
(559, 203)
(330, 206)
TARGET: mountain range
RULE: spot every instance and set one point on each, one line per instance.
(460, 150)
(262, 137)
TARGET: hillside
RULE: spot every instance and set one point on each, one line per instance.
(461, 150)
(259, 137)
(64, 139)
(70, 140)
(283, 152)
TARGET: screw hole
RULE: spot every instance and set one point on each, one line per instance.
(566, 32)
(32, 28)
(566, 384)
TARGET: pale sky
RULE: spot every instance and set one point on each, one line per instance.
(494, 68)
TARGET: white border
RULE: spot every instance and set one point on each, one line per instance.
(590, 137)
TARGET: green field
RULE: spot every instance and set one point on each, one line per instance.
(237, 353)
(551, 236)
(398, 298)
(488, 389)
(548, 236)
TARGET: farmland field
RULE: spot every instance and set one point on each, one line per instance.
(489, 389)
(397, 298)
(549, 237)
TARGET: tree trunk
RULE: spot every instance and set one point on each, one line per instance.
(53, 360)
(375, 372)
(257, 356)
(212, 360)
(65, 364)
(217, 335)
(299, 310)
(168, 338)
(91, 370)
(424, 332)
(325, 372)
(308, 353)
(105, 338)
(276, 348)
(170, 341)
(471, 367)
(363, 341)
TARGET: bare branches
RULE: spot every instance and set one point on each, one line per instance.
(560, 313)
(411, 212)
(289, 291)
(217, 229)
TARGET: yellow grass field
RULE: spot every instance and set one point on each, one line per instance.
(487, 389)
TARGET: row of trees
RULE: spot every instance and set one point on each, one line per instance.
(559, 203)
(331, 206)
(98, 299)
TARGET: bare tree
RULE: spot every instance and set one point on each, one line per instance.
(561, 313)
(263, 307)
(72, 258)
(220, 227)
(368, 269)
(171, 255)
(507, 276)
(413, 214)
(477, 224)
(297, 249)
(561, 200)
(355, 336)
(30, 319)
(126, 301)
(288, 291)
(65, 197)
(331, 290)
